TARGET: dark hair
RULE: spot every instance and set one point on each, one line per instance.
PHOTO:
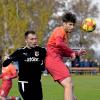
(29, 32)
(69, 17)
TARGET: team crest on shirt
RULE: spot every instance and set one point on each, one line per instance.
(36, 53)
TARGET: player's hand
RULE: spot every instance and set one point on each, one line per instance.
(82, 52)
(73, 56)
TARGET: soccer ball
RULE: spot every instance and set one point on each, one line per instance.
(88, 25)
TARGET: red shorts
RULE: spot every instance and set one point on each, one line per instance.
(5, 88)
(57, 68)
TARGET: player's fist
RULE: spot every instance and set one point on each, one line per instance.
(82, 52)
(73, 56)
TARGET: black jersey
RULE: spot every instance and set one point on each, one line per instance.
(30, 62)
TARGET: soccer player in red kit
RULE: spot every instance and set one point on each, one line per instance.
(57, 48)
(8, 73)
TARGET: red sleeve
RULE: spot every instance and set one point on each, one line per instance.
(61, 44)
(13, 71)
(14, 75)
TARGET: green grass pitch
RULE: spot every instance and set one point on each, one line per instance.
(86, 87)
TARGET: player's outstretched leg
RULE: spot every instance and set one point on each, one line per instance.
(68, 89)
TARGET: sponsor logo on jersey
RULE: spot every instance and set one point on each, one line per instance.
(32, 59)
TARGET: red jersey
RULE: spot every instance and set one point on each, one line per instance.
(58, 42)
(9, 71)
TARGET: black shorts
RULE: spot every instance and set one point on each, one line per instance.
(30, 90)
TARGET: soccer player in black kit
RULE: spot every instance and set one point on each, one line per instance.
(31, 61)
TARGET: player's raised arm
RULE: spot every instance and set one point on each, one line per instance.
(11, 58)
(61, 44)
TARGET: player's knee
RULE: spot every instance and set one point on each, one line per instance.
(67, 83)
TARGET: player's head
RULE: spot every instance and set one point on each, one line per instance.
(31, 39)
(69, 20)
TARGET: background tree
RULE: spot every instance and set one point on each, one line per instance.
(18, 16)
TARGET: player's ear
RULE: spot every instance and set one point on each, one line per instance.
(64, 23)
(26, 41)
